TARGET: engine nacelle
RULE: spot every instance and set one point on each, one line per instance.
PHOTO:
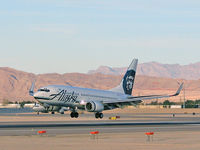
(94, 106)
(54, 108)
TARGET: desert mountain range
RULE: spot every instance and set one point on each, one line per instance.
(175, 71)
(15, 84)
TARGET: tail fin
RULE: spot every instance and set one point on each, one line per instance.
(127, 82)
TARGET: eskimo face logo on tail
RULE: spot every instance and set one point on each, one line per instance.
(128, 81)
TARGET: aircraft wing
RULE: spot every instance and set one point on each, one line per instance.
(31, 90)
(137, 99)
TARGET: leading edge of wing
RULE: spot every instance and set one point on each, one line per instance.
(140, 98)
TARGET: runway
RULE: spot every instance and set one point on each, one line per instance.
(15, 124)
(90, 124)
(53, 129)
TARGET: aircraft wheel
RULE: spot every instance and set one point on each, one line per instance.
(72, 115)
(52, 112)
(97, 115)
(100, 115)
(76, 115)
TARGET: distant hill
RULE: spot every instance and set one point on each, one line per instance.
(14, 84)
(175, 71)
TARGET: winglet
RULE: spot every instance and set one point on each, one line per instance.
(31, 91)
(179, 90)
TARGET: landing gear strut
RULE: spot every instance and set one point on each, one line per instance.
(74, 114)
(99, 115)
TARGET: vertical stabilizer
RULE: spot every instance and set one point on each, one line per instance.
(126, 85)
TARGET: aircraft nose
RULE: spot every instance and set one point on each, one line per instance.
(35, 94)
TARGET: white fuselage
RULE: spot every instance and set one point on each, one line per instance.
(69, 96)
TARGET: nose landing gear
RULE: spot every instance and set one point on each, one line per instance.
(99, 115)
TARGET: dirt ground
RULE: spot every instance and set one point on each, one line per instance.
(124, 141)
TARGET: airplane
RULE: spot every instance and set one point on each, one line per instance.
(41, 109)
(93, 100)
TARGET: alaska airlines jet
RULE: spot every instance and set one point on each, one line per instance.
(93, 100)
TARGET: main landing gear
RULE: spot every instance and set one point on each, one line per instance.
(99, 115)
(74, 114)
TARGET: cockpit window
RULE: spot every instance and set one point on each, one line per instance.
(44, 90)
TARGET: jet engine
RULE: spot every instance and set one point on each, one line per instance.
(53, 108)
(94, 106)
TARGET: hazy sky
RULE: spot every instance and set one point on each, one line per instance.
(43, 36)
